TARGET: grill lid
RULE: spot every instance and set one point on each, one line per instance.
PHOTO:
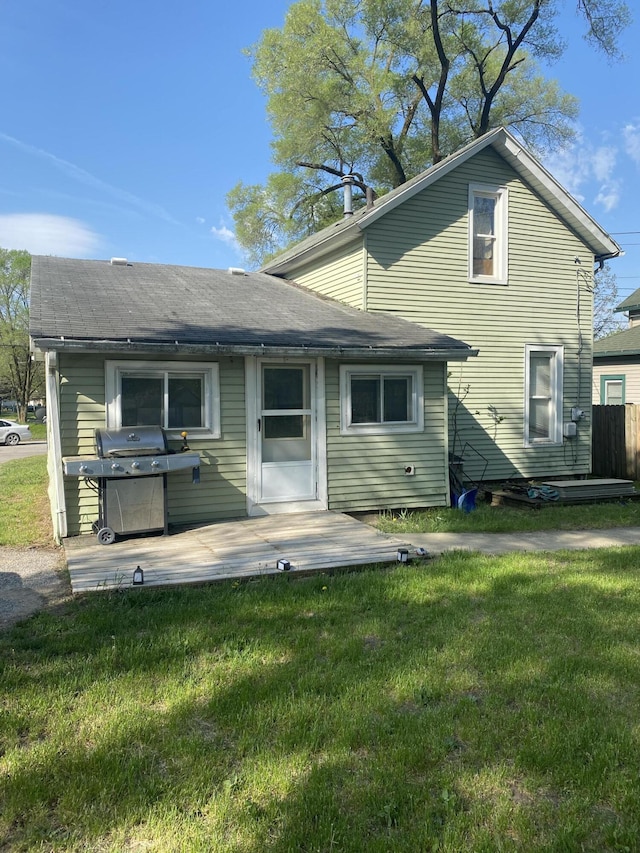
(131, 441)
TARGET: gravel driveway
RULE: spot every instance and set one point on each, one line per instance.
(30, 579)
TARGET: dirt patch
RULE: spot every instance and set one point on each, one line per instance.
(30, 580)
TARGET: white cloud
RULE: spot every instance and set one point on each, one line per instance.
(46, 234)
(225, 235)
(86, 178)
(631, 136)
(603, 163)
(586, 171)
(199, 220)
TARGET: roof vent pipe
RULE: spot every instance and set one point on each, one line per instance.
(118, 262)
(370, 198)
(348, 182)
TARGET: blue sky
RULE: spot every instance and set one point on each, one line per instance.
(124, 125)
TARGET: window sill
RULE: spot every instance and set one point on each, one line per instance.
(485, 279)
(192, 434)
(381, 429)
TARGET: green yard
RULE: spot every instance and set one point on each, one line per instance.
(469, 704)
(464, 704)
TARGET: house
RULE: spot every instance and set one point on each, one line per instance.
(451, 320)
(293, 401)
(485, 246)
(616, 360)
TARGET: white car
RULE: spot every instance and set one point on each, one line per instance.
(12, 433)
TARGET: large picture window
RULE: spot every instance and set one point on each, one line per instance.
(380, 399)
(543, 395)
(488, 233)
(176, 396)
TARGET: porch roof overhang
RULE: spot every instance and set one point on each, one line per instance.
(362, 353)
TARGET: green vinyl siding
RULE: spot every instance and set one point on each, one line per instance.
(367, 471)
(418, 268)
(221, 492)
(341, 278)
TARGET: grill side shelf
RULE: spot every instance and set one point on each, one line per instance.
(138, 466)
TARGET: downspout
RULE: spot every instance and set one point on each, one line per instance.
(54, 449)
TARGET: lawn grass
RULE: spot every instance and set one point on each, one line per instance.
(25, 518)
(465, 704)
(38, 430)
(504, 519)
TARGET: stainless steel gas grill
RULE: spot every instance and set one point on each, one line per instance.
(129, 472)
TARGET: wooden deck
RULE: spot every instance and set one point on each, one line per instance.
(233, 549)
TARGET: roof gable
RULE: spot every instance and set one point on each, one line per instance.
(524, 164)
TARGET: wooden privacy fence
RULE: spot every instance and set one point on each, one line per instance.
(615, 441)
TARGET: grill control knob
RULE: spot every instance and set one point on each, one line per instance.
(115, 466)
(135, 465)
(83, 469)
(155, 464)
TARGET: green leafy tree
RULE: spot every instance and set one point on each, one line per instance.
(381, 89)
(21, 377)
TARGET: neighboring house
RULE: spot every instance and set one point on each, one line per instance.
(616, 360)
(294, 401)
(485, 246)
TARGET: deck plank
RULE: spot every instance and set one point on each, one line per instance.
(236, 549)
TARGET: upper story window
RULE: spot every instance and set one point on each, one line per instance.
(543, 395)
(381, 399)
(176, 396)
(488, 233)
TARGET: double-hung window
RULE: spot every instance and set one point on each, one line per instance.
(381, 399)
(488, 233)
(612, 390)
(174, 395)
(543, 395)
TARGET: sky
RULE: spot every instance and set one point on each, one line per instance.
(125, 123)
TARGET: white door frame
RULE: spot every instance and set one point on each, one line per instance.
(253, 395)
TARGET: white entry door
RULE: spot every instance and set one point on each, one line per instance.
(286, 433)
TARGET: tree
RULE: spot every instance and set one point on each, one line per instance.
(605, 300)
(381, 89)
(20, 376)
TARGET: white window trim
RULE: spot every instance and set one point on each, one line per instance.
(210, 373)
(501, 195)
(414, 425)
(556, 378)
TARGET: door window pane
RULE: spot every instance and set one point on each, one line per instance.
(285, 387)
(283, 426)
(142, 398)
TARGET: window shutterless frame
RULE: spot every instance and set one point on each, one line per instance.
(163, 378)
(612, 389)
(543, 403)
(488, 233)
(372, 402)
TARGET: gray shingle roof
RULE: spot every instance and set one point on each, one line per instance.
(631, 303)
(626, 342)
(86, 302)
